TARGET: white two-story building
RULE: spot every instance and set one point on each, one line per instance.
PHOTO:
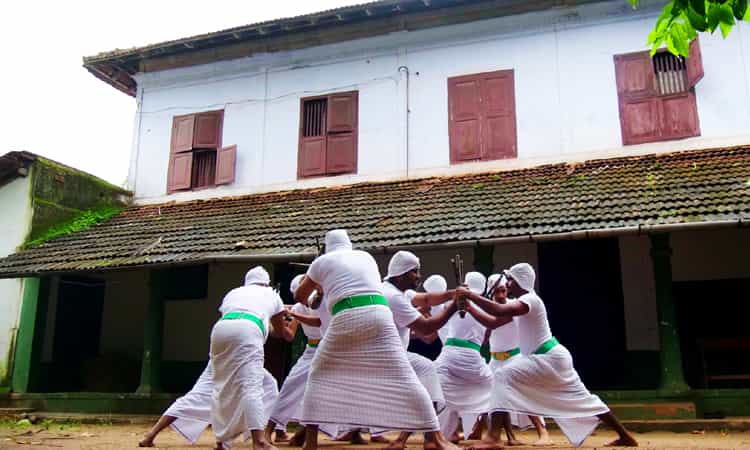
(501, 130)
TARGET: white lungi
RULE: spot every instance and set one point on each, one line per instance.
(193, 410)
(466, 380)
(361, 377)
(428, 376)
(548, 386)
(237, 360)
(521, 421)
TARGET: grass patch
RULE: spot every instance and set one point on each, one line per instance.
(82, 222)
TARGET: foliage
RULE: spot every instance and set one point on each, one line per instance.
(86, 220)
(682, 20)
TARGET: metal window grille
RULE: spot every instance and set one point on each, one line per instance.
(204, 168)
(671, 73)
(314, 118)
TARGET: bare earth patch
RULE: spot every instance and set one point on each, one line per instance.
(105, 437)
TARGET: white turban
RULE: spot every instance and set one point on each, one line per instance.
(476, 282)
(337, 240)
(435, 283)
(295, 283)
(401, 263)
(493, 279)
(524, 275)
(257, 275)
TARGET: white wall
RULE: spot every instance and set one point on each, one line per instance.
(566, 101)
(15, 224)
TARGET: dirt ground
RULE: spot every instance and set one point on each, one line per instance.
(105, 437)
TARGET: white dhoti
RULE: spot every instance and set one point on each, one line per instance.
(467, 382)
(237, 360)
(521, 421)
(428, 376)
(193, 410)
(548, 386)
(361, 377)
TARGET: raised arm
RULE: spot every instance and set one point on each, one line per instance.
(312, 321)
(305, 289)
(425, 326)
(495, 309)
(427, 299)
(489, 321)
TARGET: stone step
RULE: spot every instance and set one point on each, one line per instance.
(15, 412)
(654, 411)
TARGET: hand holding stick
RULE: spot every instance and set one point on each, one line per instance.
(458, 271)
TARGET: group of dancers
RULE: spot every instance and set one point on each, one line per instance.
(357, 376)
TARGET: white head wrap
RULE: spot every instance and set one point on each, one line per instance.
(476, 282)
(295, 283)
(435, 283)
(337, 240)
(401, 263)
(524, 275)
(493, 279)
(257, 275)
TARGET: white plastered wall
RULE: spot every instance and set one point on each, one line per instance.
(15, 224)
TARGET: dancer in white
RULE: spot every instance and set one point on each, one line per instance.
(464, 375)
(360, 376)
(237, 359)
(504, 347)
(190, 414)
(543, 381)
(289, 405)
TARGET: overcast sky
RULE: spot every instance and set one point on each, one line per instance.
(52, 106)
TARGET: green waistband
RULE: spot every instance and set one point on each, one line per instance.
(546, 346)
(463, 343)
(246, 316)
(356, 301)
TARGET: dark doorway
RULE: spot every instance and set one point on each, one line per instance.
(580, 283)
(78, 327)
(714, 335)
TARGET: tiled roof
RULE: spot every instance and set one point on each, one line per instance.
(685, 187)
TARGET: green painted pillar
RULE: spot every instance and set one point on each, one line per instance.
(672, 378)
(483, 259)
(152, 339)
(30, 335)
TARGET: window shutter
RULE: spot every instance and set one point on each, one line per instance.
(694, 64)
(180, 171)
(208, 128)
(640, 120)
(499, 111)
(635, 77)
(342, 112)
(464, 118)
(312, 156)
(182, 133)
(226, 161)
(680, 116)
(341, 153)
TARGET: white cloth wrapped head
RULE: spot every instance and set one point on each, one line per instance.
(257, 275)
(401, 263)
(435, 283)
(493, 279)
(295, 283)
(476, 282)
(337, 240)
(524, 275)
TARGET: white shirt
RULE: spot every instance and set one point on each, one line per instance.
(310, 332)
(260, 301)
(404, 313)
(467, 328)
(505, 337)
(345, 273)
(533, 327)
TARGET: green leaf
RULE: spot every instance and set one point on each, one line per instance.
(680, 40)
(697, 21)
(670, 45)
(725, 29)
(739, 8)
(747, 15)
(633, 3)
(726, 14)
(714, 14)
(699, 6)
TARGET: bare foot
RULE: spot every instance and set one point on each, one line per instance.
(543, 442)
(626, 441)
(281, 436)
(344, 436)
(357, 439)
(298, 440)
(441, 445)
(146, 442)
(264, 446)
(454, 438)
(396, 445)
(379, 440)
(219, 446)
(486, 446)
(514, 443)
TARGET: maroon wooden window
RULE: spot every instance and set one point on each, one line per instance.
(657, 95)
(328, 135)
(482, 116)
(196, 158)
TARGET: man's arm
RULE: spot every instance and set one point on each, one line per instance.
(495, 309)
(489, 321)
(427, 299)
(305, 289)
(425, 326)
(280, 329)
(312, 321)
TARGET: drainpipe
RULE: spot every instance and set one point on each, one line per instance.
(407, 112)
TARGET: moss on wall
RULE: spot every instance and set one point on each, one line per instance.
(66, 201)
